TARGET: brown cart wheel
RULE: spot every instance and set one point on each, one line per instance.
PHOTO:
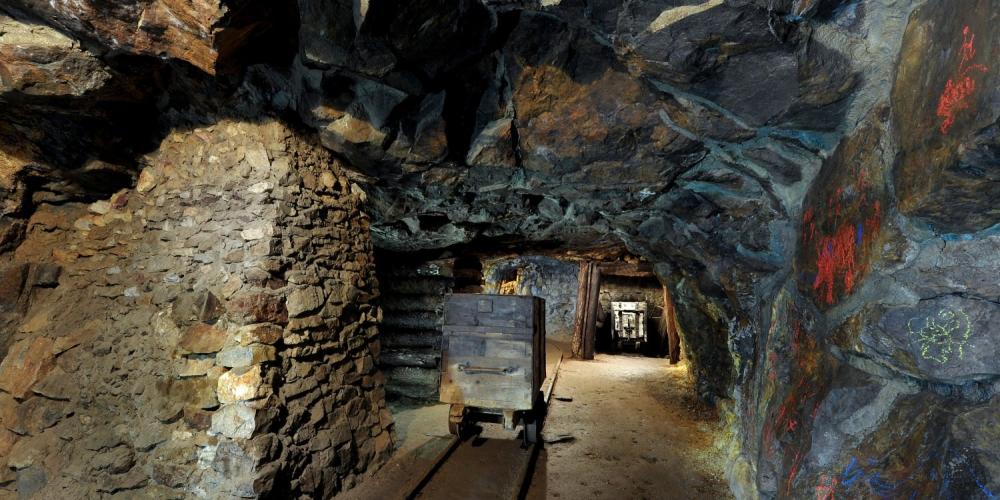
(531, 430)
(533, 421)
(456, 419)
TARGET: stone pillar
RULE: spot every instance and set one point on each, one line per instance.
(210, 333)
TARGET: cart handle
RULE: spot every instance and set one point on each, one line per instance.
(464, 367)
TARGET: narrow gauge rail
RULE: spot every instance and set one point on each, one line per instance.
(474, 467)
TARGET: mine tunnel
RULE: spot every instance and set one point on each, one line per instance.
(480, 249)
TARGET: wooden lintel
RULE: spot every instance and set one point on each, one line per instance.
(627, 270)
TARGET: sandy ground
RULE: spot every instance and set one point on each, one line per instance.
(421, 436)
(638, 432)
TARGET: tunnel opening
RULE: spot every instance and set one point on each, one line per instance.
(650, 380)
(652, 376)
(414, 286)
(631, 317)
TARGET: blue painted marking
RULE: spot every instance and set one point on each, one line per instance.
(851, 473)
(860, 234)
(989, 494)
(881, 488)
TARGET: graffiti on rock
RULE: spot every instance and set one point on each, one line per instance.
(827, 487)
(959, 90)
(941, 336)
(842, 255)
(789, 425)
(854, 473)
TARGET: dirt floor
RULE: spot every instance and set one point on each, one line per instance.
(476, 471)
(636, 431)
(633, 430)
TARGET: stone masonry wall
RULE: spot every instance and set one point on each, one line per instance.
(208, 334)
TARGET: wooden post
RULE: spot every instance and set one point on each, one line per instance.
(593, 306)
(673, 335)
(587, 303)
(583, 279)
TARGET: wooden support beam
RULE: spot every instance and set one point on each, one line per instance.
(627, 270)
(593, 306)
(673, 334)
(587, 307)
(583, 280)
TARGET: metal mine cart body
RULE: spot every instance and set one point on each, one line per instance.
(493, 360)
(629, 324)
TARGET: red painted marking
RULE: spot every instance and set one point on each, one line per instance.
(827, 487)
(794, 471)
(808, 222)
(781, 414)
(792, 425)
(835, 259)
(862, 180)
(958, 91)
(873, 223)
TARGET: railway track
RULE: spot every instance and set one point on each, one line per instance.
(472, 467)
(476, 467)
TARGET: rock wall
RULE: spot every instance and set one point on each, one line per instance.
(554, 280)
(209, 333)
(877, 374)
(614, 288)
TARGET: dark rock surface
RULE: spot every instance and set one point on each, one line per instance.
(814, 180)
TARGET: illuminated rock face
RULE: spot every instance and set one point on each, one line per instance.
(237, 359)
(815, 182)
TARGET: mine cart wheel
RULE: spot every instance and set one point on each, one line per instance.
(533, 420)
(456, 419)
(531, 429)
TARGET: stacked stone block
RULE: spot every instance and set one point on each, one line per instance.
(209, 334)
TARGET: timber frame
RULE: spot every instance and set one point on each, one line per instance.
(588, 304)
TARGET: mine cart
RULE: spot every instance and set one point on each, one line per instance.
(629, 324)
(493, 361)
